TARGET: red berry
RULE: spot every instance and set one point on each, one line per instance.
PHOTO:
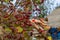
(6, 16)
(16, 16)
(41, 31)
(30, 24)
(29, 12)
(20, 19)
(33, 20)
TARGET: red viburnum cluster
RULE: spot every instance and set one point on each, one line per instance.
(23, 18)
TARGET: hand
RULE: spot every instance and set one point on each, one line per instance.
(34, 21)
(42, 25)
(41, 22)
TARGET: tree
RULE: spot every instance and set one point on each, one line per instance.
(15, 18)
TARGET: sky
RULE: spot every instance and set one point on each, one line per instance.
(51, 5)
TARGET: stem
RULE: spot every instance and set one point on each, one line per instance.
(32, 5)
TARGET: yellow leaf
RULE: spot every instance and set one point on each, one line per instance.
(6, 0)
(8, 30)
(49, 38)
(20, 29)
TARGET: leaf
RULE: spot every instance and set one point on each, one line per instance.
(49, 38)
(6, 0)
(8, 29)
(38, 1)
(20, 29)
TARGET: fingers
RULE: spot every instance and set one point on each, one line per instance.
(35, 25)
(35, 20)
(42, 20)
(42, 26)
(38, 21)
